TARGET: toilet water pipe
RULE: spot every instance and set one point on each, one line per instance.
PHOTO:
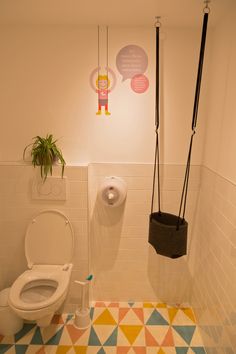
(83, 284)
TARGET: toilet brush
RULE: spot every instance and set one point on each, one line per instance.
(82, 314)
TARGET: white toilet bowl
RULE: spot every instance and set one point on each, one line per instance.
(40, 291)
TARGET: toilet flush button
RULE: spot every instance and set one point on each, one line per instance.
(54, 188)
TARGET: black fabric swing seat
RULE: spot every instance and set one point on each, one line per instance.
(168, 232)
(166, 237)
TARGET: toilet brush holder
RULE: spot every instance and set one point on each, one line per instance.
(82, 315)
(82, 318)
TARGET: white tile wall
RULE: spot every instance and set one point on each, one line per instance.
(124, 265)
(17, 208)
(214, 254)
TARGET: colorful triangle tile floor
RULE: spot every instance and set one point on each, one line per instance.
(121, 328)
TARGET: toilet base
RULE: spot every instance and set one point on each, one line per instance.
(45, 321)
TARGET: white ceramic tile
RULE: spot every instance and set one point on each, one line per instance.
(142, 207)
(128, 170)
(223, 187)
(134, 219)
(17, 208)
(133, 243)
(78, 187)
(108, 253)
(77, 201)
(138, 182)
(134, 231)
(120, 241)
(213, 292)
(76, 173)
(135, 196)
(77, 214)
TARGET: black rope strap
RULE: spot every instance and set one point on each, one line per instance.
(183, 200)
(157, 121)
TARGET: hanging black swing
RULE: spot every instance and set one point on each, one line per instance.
(168, 232)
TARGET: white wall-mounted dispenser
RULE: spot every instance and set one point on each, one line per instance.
(112, 191)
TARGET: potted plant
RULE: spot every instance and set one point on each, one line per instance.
(45, 153)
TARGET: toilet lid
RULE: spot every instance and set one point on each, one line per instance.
(49, 239)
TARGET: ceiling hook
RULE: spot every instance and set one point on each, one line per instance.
(206, 9)
(157, 23)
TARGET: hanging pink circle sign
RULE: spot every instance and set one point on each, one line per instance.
(139, 83)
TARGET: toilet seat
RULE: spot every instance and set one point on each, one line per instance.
(52, 274)
(40, 291)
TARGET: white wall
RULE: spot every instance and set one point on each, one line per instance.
(214, 243)
(125, 266)
(17, 209)
(219, 152)
(44, 88)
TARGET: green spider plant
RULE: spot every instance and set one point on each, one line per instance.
(45, 153)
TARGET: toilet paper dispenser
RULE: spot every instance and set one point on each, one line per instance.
(112, 191)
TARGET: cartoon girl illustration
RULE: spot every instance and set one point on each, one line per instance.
(102, 88)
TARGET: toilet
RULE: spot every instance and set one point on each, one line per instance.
(40, 291)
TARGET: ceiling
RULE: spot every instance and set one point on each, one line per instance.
(180, 13)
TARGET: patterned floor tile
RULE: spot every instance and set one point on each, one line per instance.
(122, 349)
(109, 350)
(65, 349)
(5, 348)
(94, 350)
(55, 339)
(74, 336)
(21, 348)
(105, 318)
(80, 349)
(182, 350)
(155, 318)
(133, 333)
(49, 349)
(113, 304)
(51, 335)
(186, 332)
(100, 304)
(148, 305)
(139, 350)
(8, 340)
(58, 319)
(161, 334)
(116, 328)
(169, 350)
(198, 350)
(161, 305)
(106, 334)
(131, 316)
(196, 339)
(36, 349)
(172, 313)
(24, 336)
(184, 316)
